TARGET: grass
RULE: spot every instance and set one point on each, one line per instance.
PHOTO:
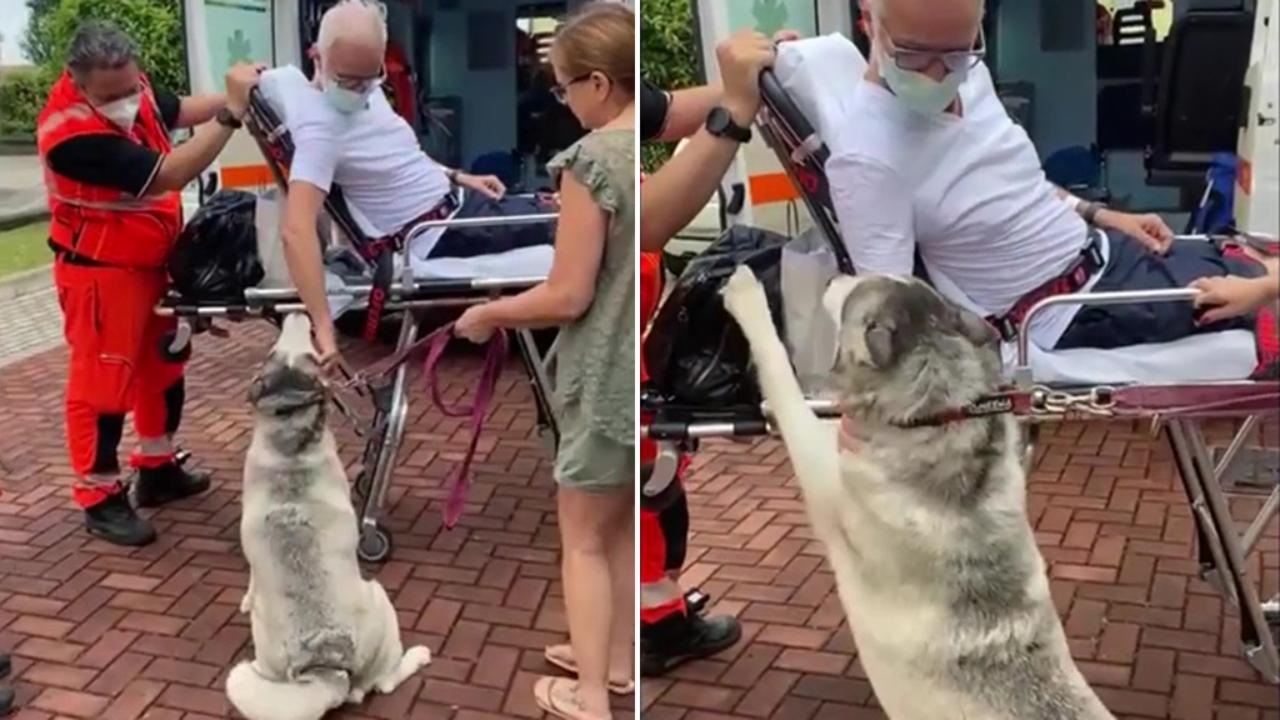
(24, 248)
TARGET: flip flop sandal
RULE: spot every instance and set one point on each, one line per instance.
(567, 664)
(557, 698)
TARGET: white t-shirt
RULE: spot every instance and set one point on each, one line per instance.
(968, 190)
(373, 155)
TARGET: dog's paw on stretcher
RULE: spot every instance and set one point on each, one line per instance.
(322, 635)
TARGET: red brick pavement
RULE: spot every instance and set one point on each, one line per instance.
(102, 632)
(1113, 525)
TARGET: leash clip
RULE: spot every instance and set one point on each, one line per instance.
(1098, 401)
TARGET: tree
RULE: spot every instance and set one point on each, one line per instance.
(153, 24)
(668, 55)
(33, 43)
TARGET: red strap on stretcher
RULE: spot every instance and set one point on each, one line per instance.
(494, 357)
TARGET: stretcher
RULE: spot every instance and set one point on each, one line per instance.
(1206, 377)
(359, 274)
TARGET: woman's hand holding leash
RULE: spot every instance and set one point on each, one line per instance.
(474, 325)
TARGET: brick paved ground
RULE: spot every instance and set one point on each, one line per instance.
(1111, 522)
(32, 324)
(101, 632)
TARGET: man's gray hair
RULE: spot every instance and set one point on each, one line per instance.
(877, 6)
(350, 17)
(99, 45)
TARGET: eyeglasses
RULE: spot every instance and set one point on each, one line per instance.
(561, 92)
(917, 60)
(361, 85)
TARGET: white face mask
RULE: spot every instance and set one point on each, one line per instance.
(343, 100)
(124, 111)
(918, 91)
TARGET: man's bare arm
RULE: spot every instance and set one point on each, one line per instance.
(199, 109)
(674, 194)
(688, 111)
(306, 263)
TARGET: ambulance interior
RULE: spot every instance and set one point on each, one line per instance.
(1127, 101)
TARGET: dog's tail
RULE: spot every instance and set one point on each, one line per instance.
(258, 698)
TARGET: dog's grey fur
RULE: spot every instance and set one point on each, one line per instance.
(322, 634)
(925, 528)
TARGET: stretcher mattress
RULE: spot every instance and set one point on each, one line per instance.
(820, 75)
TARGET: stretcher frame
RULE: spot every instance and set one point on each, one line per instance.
(1221, 548)
(389, 398)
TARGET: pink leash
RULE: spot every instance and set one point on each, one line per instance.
(495, 355)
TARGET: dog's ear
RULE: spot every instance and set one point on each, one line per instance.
(974, 329)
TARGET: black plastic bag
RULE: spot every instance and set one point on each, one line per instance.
(216, 257)
(695, 352)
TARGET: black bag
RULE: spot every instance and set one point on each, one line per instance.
(695, 352)
(216, 257)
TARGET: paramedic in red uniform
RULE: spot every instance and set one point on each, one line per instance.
(113, 183)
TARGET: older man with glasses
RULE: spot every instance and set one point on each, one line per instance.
(934, 165)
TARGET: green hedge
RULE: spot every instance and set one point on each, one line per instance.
(668, 56)
(22, 94)
(154, 25)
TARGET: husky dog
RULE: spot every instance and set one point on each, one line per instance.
(323, 636)
(924, 523)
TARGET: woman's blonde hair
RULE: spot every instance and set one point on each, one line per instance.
(601, 37)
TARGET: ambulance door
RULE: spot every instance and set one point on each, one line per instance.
(756, 189)
(1257, 197)
(220, 33)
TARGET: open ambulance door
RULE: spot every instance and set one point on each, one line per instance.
(218, 34)
(756, 189)
(1257, 197)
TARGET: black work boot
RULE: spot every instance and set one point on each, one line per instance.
(115, 521)
(677, 639)
(167, 483)
(6, 693)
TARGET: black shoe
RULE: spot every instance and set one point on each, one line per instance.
(6, 665)
(115, 521)
(6, 701)
(675, 640)
(167, 483)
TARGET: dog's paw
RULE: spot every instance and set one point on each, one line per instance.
(355, 697)
(418, 656)
(744, 295)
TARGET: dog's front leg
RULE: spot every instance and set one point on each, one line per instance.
(810, 442)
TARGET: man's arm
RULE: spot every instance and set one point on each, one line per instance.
(874, 208)
(306, 264)
(674, 194)
(199, 109)
(687, 110)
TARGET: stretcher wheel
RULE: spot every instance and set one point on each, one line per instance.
(181, 356)
(375, 544)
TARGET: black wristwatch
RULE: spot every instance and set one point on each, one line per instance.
(720, 124)
(226, 119)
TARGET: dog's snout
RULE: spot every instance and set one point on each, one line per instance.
(295, 337)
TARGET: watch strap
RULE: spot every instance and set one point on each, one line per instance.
(226, 119)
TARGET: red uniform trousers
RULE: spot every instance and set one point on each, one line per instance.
(116, 366)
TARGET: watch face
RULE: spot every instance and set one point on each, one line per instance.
(718, 121)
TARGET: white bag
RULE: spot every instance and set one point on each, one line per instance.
(266, 221)
(808, 265)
